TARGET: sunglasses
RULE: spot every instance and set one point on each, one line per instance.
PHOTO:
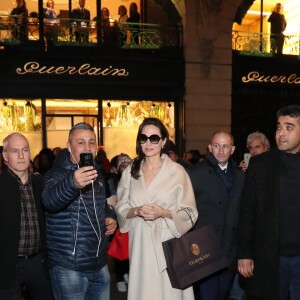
(154, 138)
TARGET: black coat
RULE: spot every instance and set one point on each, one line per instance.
(278, 23)
(76, 14)
(215, 205)
(10, 219)
(258, 237)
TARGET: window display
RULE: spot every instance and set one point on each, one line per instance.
(118, 121)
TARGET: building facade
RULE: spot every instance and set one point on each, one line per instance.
(194, 78)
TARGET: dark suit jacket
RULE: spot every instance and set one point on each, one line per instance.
(258, 237)
(10, 217)
(76, 14)
(215, 205)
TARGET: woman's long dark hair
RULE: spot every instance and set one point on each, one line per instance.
(136, 165)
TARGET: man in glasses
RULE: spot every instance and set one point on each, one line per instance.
(217, 184)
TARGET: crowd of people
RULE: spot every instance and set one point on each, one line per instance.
(63, 210)
(81, 20)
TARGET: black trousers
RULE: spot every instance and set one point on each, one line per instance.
(32, 273)
(121, 268)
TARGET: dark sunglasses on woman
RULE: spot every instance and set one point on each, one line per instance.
(154, 138)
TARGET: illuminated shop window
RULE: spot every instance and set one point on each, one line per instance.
(22, 116)
(256, 19)
(121, 120)
(62, 114)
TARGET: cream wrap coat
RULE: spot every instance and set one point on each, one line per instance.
(171, 189)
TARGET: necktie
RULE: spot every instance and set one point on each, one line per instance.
(82, 12)
(224, 171)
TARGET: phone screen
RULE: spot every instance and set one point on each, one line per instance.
(86, 159)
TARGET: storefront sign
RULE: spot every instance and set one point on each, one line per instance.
(103, 74)
(279, 71)
(255, 76)
(34, 67)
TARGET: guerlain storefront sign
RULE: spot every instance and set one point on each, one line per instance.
(33, 67)
(255, 76)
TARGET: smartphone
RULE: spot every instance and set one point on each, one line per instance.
(247, 157)
(86, 159)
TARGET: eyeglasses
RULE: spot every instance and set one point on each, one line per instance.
(224, 147)
(154, 138)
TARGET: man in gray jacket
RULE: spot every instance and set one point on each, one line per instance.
(79, 222)
(218, 184)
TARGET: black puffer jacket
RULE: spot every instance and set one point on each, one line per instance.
(73, 232)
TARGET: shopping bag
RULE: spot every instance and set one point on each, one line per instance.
(194, 256)
(118, 247)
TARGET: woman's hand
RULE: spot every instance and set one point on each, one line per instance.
(153, 211)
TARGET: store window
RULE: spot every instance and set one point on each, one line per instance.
(118, 121)
(255, 21)
(22, 116)
(61, 115)
(121, 120)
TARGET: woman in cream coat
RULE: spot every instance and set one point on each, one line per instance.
(155, 203)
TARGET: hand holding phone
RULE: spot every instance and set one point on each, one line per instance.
(247, 157)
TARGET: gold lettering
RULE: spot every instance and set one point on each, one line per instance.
(83, 70)
(199, 259)
(252, 76)
(93, 71)
(255, 76)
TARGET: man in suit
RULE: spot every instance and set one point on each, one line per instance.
(81, 14)
(22, 228)
(218, 185)
(269, 223)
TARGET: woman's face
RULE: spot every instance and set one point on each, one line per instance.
(105, 12)
(50, 4)
(148, 148)
(121, 11)
(20, 3)
(133, 7)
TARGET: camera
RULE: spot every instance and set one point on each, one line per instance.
(86, 159)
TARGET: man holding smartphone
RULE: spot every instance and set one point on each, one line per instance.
(79, 220)
(257, 143)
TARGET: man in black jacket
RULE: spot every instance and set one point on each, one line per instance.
(218, 184)
(278, 25)
(82, 16)
(269, 226)
(22, 228)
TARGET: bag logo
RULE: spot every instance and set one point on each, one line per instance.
(195, 249)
